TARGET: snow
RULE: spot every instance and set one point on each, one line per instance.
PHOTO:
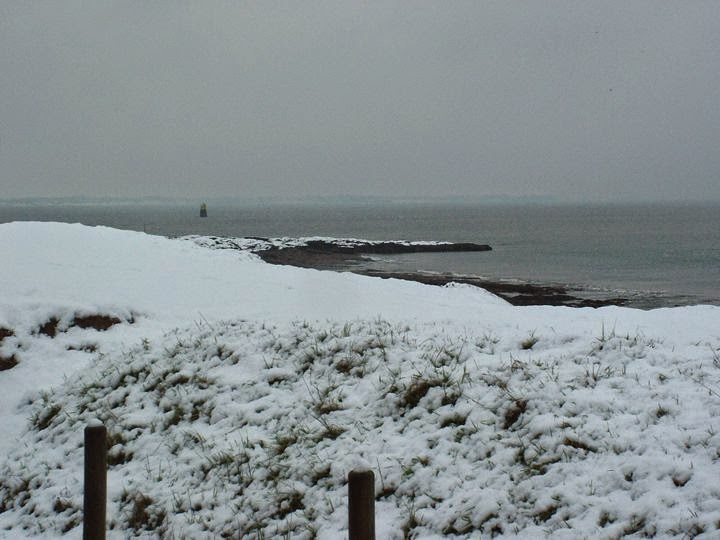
(94, 423)
(238, 395)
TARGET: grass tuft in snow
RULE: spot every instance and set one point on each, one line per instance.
(529, 342)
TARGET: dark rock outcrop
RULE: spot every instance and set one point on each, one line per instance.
(391, 248)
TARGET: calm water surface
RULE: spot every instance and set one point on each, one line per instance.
(667, 255)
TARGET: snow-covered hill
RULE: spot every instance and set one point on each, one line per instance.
(238, 395)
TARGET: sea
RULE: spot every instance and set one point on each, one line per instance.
(653, 255)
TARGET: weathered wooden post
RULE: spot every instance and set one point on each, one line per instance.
(95, 488)
(361, 504)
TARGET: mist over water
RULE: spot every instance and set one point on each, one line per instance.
(667, 254)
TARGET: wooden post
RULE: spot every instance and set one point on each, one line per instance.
(361, 505)
(95, 488)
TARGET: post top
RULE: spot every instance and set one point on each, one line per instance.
(359, 471)
(358, 463)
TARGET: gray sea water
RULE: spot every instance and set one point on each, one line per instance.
(658, 255)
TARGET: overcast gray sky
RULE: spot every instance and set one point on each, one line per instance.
(588, 101)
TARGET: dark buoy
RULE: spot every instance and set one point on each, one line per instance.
(203, 210)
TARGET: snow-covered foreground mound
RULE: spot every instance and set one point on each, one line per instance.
(238, 395)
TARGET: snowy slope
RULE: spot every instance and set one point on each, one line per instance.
(239, 395)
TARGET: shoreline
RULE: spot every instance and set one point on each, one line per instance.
(518, 294)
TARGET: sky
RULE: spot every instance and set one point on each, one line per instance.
(576, 101)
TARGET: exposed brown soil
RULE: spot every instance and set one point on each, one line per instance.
(7, 362)
(97, 322)
(50, 328)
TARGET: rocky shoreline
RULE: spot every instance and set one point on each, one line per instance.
(518, 294)
(352, 255)
(327, 255)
